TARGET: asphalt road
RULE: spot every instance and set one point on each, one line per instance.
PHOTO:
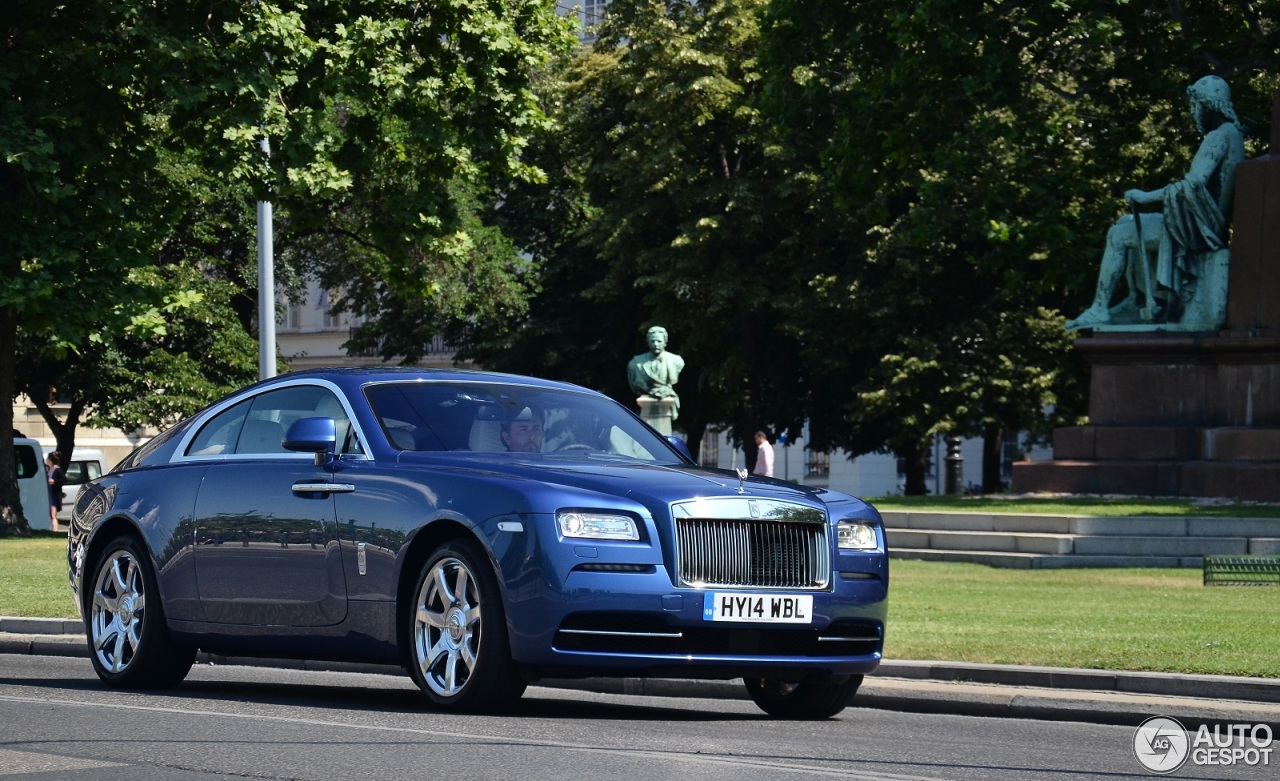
(58, 721)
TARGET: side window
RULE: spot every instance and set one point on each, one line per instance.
(75, 473)
(218, 437)
(273, 412)
(83, 471)
(25, 458)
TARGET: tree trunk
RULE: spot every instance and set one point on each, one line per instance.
(992, 458)
(64, 432)
(12, 520)
(915, 466)
(693, 439)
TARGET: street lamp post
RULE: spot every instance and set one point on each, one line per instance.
(266, 288)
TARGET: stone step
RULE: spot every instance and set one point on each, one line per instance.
(1049, 541)
(1093, 525)
(1065, 545)
(1166, 443)
(1006, 560)
(1060, 544)
(1255, 481)
(1161, 546)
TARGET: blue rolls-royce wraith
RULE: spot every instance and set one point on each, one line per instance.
(481, 530)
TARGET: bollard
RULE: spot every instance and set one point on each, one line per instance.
(953, 484)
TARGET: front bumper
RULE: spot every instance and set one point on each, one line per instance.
(637, 623)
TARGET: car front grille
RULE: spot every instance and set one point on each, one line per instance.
(752, 554)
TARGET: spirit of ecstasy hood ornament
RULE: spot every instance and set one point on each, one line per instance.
(742, 478)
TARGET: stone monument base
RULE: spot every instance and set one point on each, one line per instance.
(658, 413)
(1171, 415)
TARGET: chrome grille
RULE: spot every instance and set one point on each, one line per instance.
(756, 554)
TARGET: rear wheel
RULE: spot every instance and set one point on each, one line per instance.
(460, 655)
(814, 697)
(129, 643)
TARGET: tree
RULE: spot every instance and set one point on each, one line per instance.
(969, 146)
(76, 186)
(670, 212)
(95, 98)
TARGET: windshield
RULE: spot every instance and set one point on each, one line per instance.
(500, 418)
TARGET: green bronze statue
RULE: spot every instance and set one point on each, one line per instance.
(1174, 262)
(656, 372)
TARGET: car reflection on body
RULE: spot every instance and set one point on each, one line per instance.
(375, 515)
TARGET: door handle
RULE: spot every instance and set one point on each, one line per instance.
(323, 488)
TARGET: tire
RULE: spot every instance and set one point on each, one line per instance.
(815, 697)
(460, 654)
(129, 642)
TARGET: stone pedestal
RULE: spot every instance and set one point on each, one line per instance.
(1171, 416)
(657, 413)
(1188, 414)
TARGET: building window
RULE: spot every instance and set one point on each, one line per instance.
(324, 301)
(292, 316)
(593, 13)
(817, 464)
(709, 451)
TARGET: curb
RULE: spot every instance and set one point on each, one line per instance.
(936, 687)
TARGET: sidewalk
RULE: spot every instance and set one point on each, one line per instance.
(1008, 691)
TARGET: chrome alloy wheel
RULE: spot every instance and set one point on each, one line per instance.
(119, 602)
(446, 627)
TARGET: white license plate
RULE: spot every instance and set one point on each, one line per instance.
(758, 608)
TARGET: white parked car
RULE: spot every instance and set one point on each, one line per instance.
(86, 464)
(33, 482)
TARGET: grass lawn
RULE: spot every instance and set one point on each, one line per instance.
(33, 577)
(1160, 620)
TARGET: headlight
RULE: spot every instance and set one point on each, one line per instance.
(597, 526)
(856, 535)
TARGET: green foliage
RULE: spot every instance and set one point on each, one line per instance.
(130, 129)
(407, 295)
(973, 148)
(664, 208)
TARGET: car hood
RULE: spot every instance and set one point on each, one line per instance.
(651, 484)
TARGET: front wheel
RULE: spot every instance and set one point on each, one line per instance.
(460, 655)
(815, 697)
(129, 642)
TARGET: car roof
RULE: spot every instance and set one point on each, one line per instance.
(353, 377)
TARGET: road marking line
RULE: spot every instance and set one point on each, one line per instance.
(818, 770)
(19, 762)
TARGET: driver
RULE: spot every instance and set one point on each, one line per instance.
(523, 434)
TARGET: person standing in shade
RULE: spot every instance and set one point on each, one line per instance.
(764, 456)
(52, 464)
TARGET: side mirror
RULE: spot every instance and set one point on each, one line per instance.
(313, 435)
(683, 447)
